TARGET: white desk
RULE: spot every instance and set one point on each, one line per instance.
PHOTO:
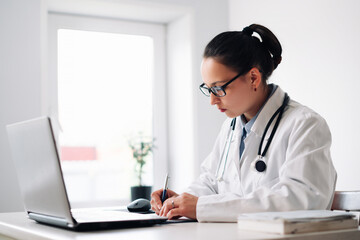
(18, 226)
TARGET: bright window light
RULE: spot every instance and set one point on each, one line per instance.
(104, 100)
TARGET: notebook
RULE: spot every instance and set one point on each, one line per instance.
(300, 221)
(42, 186)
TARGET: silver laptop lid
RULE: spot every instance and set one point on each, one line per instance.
(38, 169)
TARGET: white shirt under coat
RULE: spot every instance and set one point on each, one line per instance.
(299, 173)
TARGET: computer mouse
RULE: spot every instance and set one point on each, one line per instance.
(139, 205)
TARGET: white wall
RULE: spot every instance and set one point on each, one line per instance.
(320, 66)
(20, 82)
(23, 73)
(180, 103)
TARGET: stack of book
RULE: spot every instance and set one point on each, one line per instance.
(297, 221)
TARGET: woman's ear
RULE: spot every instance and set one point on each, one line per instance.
(255, 77)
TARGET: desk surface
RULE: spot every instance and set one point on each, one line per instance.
(18, 226)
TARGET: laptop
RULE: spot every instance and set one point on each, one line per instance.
(42, 186)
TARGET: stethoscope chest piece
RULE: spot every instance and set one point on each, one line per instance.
(260, 165)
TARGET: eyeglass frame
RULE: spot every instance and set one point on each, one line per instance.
(222, 88)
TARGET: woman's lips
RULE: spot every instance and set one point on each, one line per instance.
(222, 109)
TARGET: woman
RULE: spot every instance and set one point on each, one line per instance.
(272, 153)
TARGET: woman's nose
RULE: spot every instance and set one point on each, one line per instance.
(213, 99)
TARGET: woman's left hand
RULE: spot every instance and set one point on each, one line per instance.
(182, 205)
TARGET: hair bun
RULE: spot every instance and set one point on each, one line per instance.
(248, 31)
(277, 60)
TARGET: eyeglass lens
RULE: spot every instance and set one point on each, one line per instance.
(217, 91)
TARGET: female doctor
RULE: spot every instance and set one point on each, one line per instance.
(272, 153)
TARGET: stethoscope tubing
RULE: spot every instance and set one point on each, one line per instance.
(227, 146)
(279, 111)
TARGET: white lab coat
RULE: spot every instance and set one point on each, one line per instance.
(299, 174)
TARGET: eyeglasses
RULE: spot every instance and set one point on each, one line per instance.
(218, 91)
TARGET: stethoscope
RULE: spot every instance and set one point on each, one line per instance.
(259, 165)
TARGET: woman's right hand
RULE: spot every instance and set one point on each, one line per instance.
(156, 203)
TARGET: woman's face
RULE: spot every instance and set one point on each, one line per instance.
(240, 96)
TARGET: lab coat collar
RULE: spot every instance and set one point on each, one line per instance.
(272, 104)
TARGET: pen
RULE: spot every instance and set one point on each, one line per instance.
(163, 197)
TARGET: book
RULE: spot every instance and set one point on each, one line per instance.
(301, 221)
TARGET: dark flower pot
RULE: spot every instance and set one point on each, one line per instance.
(140, 192)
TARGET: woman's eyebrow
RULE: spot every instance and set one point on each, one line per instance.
(214, 83)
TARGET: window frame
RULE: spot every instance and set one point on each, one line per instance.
(154, 30)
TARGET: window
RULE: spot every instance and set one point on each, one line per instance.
(107, 87)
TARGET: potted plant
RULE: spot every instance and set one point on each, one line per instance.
(141, 147)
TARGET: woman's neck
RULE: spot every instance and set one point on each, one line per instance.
(263, 95)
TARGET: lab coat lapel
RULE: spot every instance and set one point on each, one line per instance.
(235, 145)
(273, 103)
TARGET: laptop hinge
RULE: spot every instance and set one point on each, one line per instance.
(61, 222)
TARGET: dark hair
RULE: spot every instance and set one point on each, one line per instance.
(241, 51)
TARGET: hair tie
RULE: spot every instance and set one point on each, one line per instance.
(248, 31)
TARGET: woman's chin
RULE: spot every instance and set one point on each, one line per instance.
(230, 114)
